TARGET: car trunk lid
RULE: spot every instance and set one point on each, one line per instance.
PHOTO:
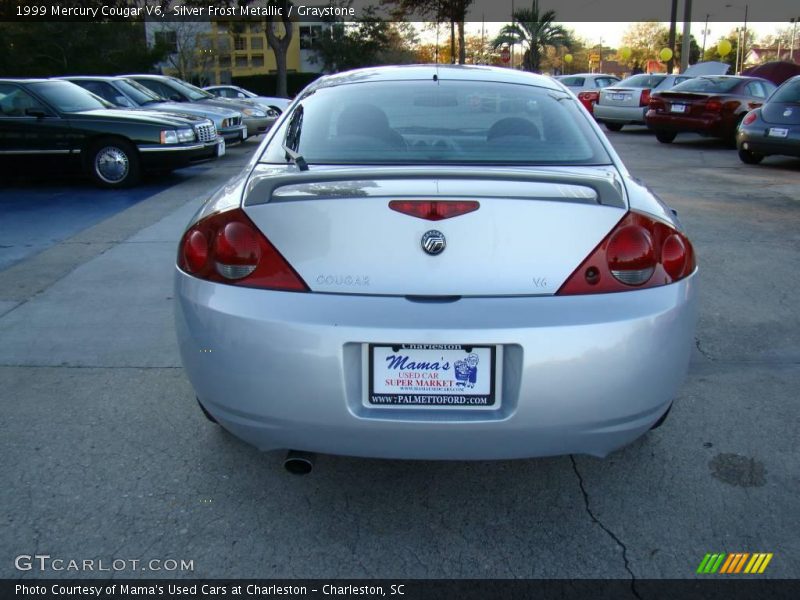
(781, 113)
(532, 229)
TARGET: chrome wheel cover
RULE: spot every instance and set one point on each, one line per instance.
(111, 164)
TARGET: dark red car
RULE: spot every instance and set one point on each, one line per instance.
(711, 106)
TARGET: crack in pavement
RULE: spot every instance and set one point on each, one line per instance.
(611, 534)
(701, 351)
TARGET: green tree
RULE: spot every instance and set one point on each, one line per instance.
(536, 32)
(366, 42)
(713, 54)
(57, 48)
(694, 49)
(645, 40)
(453, 12)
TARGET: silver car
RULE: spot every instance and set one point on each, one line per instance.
(403, 273)
(257, 119)
(126, 93)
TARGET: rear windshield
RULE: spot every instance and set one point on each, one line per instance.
(572, 81)
(788, 92)
(707, 84)
(641, 81)
(194, 93)
(444, 122)
(139, 93)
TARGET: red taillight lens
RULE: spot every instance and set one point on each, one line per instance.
(713, 105)
(640, 252)
(644, 99)
(630, 255)
(434, 210)
(750, 117)
(589, 96)
(228, 248)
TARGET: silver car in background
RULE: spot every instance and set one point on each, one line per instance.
(402, 273)
(257, 119)
(126, 93)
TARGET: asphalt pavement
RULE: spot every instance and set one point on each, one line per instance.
(106, 456)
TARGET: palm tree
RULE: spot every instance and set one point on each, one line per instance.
(535, 32)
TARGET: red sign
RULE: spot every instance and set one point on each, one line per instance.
(505, 55)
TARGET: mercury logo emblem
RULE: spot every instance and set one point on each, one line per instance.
(433, 242)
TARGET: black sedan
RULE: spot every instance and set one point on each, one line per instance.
(47, 119)
(774, 128)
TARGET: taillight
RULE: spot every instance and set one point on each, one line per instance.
(434, 210)
(644, 99)
(589, 96)
(750, 117)
(713, 105)
(656, 104)
(639, 253)
(228, 248)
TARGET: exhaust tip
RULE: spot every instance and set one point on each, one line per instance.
(299, 463)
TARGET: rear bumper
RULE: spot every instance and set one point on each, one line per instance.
(712, 126)
(619, 114)
(760, 143)
(581, 374)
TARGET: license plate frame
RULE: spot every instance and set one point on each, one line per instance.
(778, 132)
(221, 148)
(678, 108)
(619, 97)
(451, 396)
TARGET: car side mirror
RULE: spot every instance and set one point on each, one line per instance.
(35, 112)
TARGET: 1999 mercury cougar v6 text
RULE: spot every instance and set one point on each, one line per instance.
(403, 272)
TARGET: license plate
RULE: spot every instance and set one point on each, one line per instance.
(620, 97)
(780, 132)
(221, 148)
(678, 108)
(432, 376)
(244, 134)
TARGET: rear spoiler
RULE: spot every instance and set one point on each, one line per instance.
(393, 181)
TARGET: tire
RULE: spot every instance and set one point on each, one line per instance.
(661, 419)
(750, 158)
(613, 126)
(113, 163)
(665, 137)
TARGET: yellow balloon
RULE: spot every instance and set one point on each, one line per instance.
(568, 58)
(724, 48)
(665, 54)
(624, 53)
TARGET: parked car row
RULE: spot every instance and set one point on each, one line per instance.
(748, 111)
(113, 128)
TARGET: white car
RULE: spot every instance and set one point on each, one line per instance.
(234, 92)
(435, 262)
(587, 86)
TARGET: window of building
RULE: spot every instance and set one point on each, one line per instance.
(224, 44)
(167, 39)
(257, 43)
(309, 35)
(241, 62)
(258, 60)
(224, 62)
(240, 42)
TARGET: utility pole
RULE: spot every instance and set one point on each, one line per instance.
(793, 20)
(705, 33)
(672, 20)
(686, 45)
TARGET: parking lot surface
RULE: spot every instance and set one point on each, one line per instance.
(106, 456)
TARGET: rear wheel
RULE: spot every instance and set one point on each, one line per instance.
(113, 163)
(614, 126)
(750, 158)
(665, 137)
